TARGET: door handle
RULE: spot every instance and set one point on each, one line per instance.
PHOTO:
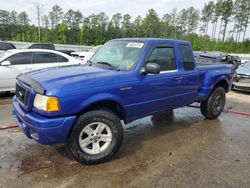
(179, 78)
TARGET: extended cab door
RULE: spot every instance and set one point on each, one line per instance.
(157, 92)
(20, 63)
(172, 88)
(189, 77)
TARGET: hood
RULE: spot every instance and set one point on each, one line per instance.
(244, 69)
(73, 77)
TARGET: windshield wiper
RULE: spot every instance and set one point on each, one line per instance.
(110, 65)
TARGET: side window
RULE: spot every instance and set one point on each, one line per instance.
(188, 58)
(44, 57)
(62, 59)
(36, 46)
(21, 58)
(163, 56)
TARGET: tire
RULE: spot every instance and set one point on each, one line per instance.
(95, 137)
(214, 105)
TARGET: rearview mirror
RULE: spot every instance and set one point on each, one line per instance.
(151, 68)
(6, 63)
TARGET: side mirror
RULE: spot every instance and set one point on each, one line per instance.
(151, 68)
(6, 63)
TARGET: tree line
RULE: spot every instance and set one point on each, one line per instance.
(191, 24)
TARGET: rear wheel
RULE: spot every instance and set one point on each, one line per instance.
(96, 137)
(214, 105)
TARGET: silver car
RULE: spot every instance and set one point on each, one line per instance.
(15, 62)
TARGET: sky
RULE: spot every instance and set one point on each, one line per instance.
(110, 7)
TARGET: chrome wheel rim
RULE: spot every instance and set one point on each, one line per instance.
(218, 104)
(95, 138)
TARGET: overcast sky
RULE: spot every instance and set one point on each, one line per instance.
(110, 7)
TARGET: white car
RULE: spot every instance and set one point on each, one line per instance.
(15, 62)
(85, 55)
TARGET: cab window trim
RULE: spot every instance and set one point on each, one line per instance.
(163, 46)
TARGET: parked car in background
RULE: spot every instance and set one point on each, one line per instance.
(86, 55)
(243, 61)
(49, 46)
(15, 62)
(42, 46)
(242, 78)
(6, 46)
(217, 57)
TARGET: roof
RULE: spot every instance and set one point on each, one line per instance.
(152, 39)
(33, 50)
(3, 42)
(13, 51)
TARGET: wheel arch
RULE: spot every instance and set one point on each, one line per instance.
(222, 83)
(104, 101)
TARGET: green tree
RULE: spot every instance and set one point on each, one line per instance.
(114, 25)
(137, 27)
(226, 12)
(55, 16)
(215, 16)
(23, 19)
(13, 18)
(4, 25)
(171, 24)
(207, 13)
(188, 20)
(63, 32)
(127, 28)
(151, 24)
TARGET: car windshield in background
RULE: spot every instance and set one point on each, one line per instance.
(5, 53)
(247, 64)
(122, 55)
(205, 60)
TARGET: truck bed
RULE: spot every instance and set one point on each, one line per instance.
(214, 71)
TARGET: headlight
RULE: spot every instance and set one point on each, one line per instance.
(45, 103)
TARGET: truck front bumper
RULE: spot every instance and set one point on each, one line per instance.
(42, 129)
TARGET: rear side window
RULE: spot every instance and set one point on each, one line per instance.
(47, 46)
(20, 58)
(163, 56)
(188, 58)
(61, 59)
(44, 57)
(35, 46)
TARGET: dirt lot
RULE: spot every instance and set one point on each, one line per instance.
(183, 150)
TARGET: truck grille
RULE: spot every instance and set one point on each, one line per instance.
(22, 94)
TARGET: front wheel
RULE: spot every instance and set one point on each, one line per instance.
(214, 105)
(96, 137)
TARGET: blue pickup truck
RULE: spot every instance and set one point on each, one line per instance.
(82, 106)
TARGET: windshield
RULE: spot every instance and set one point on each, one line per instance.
(120, 54)
(5, 53)
(205, 60)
